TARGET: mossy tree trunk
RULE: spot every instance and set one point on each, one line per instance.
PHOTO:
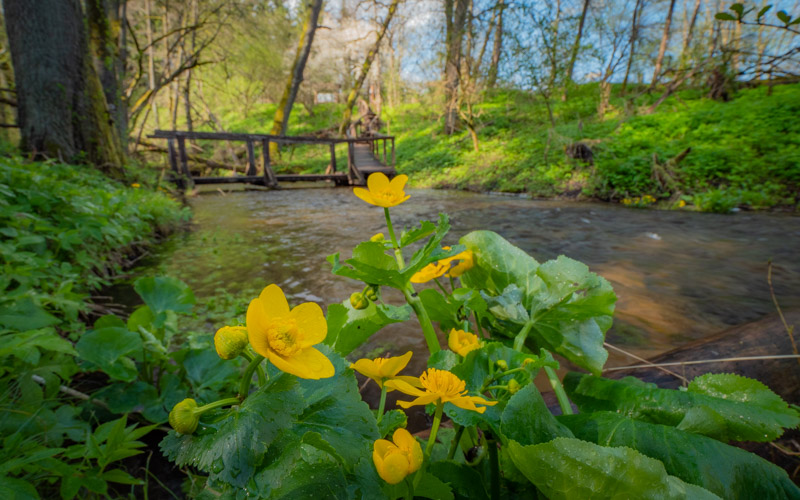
(456, 18)
(281, 119)
(61, 105)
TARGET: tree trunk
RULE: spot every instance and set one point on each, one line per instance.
(662, 49)
(688, 41)
(281, 120)
(61, 106)
(187, 88)
(576, 45)
(634, 36)
(151, 65)
(456, 13)
(103, 18)
(353, 95)
(497, 48)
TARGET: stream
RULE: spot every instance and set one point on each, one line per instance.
(679, 275)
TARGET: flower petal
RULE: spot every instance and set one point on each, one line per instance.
(311, 322)
(410, 380)
(392, 366)
(274, 301)
(382, 447)
(257, 324)
(422, 400)
(403, 439)
(394, 467)
(367, 368)
(364, 195)
(404, 387)
(308, 363)
(398, 183)
(377, 182)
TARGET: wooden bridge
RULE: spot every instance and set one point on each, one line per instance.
(365, 155)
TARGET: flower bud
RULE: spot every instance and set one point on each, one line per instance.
(371, 294)
(378, 238)
(396, 460)
(528, 361)
(230, 341)
(183, 417)
(501, 365)
(513, 386)
(358, 301)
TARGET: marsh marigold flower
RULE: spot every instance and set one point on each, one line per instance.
(382, 192)
(439, 385)
(396, 460)
(285, 336)
(461, 342)
(230, 341)
(452, 267)
(382, 369)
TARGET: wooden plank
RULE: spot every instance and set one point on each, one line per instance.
(173, 161)
(232, 136)
(251, 159)
(269, 175)
(259, 179)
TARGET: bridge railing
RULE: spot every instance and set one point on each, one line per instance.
(179, 159)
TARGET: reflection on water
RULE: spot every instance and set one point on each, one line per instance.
(679, 276)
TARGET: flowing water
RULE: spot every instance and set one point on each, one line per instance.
(679, 276)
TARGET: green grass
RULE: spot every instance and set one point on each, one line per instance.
(745, 152)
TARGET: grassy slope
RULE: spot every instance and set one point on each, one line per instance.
(744, 152)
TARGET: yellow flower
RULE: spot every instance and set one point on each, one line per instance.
(230, 341)
(462, 342)
(382, 369)
(382, 192)
(378, 238)
(136, 185)
(681, 204)
(395, 461)
(445, 267)
(439, 385)
(285, 336)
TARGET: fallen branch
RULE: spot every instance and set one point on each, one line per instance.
(195, 158)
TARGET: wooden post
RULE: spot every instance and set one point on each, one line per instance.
(393, 157)
(384, 151)
(333, 157)
(173, 162)
(269, 176)
(186, 181)
(251, 159)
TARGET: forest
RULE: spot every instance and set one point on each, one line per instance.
(446, 249)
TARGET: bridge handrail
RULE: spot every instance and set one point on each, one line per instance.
(236, 136)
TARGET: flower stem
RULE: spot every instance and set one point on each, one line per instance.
(382, 404)
(519, 340)
(244, 385)
(437, 419)
(409, 489)
(563, 400)
(411, 295)
(494, 464)
(456, 440)
(442, 288)
(216, 404)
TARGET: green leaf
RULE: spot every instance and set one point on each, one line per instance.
(16, 489)
(783, 16)
(348, 328)
(761, 12)
(465, 481)
(571, 308)
(527, 420)
(757, 414)
(727, 471)
(739, 9)
(567, 468)
(391, 420)
(142, 317)
(425, 229)
(724, 16)
(25, 314)
(302, 471)
(231, 449)
(121, 477)
(431, 486)
(164, 293)
(444, 360)
(108, 349)
(474, 370)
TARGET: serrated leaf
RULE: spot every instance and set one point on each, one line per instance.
(25, 314)
(727, 471)
(348, 328)
(761, 417)
(425, 229)
(498, 263)
(567, 468)
(230, 450)
(465, 481)
(527, 420)
(391, 420)
(302, 471)
(432, 487)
